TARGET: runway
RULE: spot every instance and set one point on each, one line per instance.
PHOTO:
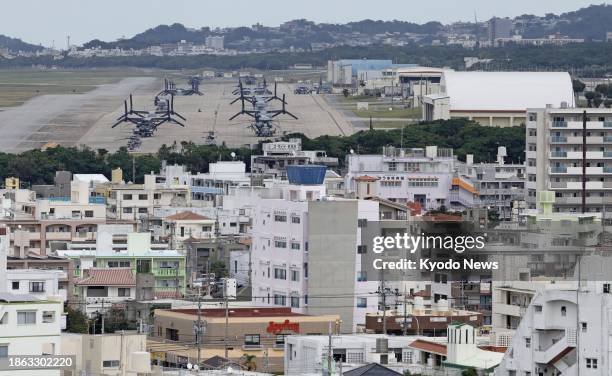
(86, 119)
(63, 118)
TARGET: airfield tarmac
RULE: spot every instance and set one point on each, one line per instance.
(211, 112)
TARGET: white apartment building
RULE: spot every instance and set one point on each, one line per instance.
(555, 154)
(563, 332)
(305, 252)
(43, 284)
(108, 354)
(450, 355)
(427, 176)
(29, 325)
(138, 201)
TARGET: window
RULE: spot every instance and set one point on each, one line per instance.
(280, 243)
(127, 210)
(361, 249)
(124, 292)
(583, 326)
(48, 317)
(15, 285)
(3, 351)
(118, 264)
(89, 213)
(591, 363)
(538, 308)
(305, 270)
(295, 302)
(172, 334)
(280, 339)
(142, 210)
(563, 311)
(362, 222)
(280, 273)
(295, 219)
(280, 217)
(280, 300)
(295, 275)
(143, 197)
(527, 342)
(252, 340)
(606, 288)
(4, 319)
(26, 317)
(110, 364)
(127, 196)
(37, 287)
(295, 246)
(362, 302)
(362, 276)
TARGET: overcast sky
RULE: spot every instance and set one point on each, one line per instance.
(45, 21)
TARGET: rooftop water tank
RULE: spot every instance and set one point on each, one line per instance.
(306, 174)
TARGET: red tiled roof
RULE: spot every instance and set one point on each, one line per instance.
(366, 178)
(169, 294)
(107, 277)
(430, 347)
(241, 312)
(186, 216)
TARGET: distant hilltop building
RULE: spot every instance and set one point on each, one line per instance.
(215, 42)
(499, 28)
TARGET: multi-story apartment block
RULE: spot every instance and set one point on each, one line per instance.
(278, 155)
(426, 176)
(158, 272)
(563, 332)
(563, 145)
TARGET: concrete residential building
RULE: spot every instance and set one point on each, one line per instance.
(555, 153)
(293, 234)
(426, 176)
(258, 331)
(100, 289)
(499, 28)
(278, 155)
(497, 99)
(307, 355)
(108, 354)
(29, 325)
(563, 332)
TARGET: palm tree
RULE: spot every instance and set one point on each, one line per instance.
(249, 362)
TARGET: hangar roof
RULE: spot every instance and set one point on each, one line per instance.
(506, 91)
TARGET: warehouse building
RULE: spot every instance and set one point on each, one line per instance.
(497, 99)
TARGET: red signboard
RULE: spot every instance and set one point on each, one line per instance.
(278, 327)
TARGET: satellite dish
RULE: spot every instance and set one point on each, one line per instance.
(233, 154)
(189, 366)
(352, 151)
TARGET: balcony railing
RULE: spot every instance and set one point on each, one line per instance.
(607, 124)
(558, 170)
(168, 272)
(558, 154)
(559, 124)
(558, 139)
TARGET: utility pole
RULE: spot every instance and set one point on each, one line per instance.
(584, 157)
(199, 330)
(102, 318)
(384, 302)
(329, 350)
(225, 300)
(405, 314)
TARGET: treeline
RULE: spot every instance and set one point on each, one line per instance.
(466, 137)
(586, 59)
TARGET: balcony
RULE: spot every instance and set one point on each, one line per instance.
(558, 154)
(558, 349)
(558, 140)
(559, 124)
(168, 272)
(607, 124)
(607, 139)
(56, 235)
(558, 170)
